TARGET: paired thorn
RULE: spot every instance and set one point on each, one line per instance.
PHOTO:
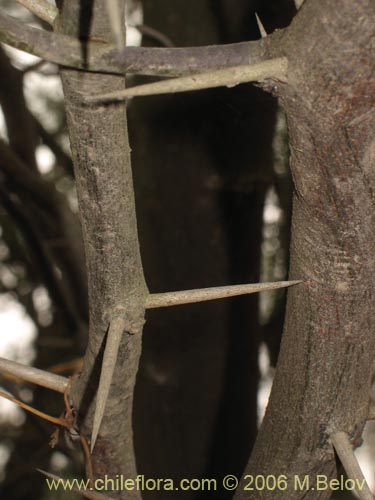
(345, 452)
(33, 375)
(262, 30)
(115, 331)
(168, 299)
(118, 325)
(298, 3)
(225, 77)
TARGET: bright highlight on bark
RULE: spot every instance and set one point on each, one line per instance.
(118, 326)
(350, 463)
(226, 77)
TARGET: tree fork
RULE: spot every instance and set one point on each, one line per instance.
(325, 368)
(101, 155)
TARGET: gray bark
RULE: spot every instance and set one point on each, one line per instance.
(101, 155)
(326, 362)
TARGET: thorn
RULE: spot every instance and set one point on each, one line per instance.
(168, 299)
(33, 375)
(224, 77)
(30, 409)
(115, 21)
(92, 495)
(350, 463)
(115, 331)
(262, 30)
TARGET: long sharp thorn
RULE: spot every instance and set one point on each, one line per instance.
(115, 331)
(225, 77)
(262, 30)
(168, 299)
(350, 463)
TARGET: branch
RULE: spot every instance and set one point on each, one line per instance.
(105, 58)
(41, 8)
(116, 329)
(227, 77)
(168, 299)
(350, 463)
(33, 375)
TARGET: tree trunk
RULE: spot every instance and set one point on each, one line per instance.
(101, 155)
(325, 367)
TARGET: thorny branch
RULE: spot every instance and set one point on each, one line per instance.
(105, 58)
(226, 77)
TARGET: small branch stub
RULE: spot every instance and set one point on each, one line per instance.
(350, 463)
(115, 331)
(226, 77)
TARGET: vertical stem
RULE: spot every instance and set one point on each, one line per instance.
(101, 156)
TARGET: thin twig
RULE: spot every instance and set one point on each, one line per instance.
(33, 375)
(115, 331)
(226, 77)
(298, 3)
(350, 463)
(54, 420)
(41, 8)
(92, 495)
(168, 299)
